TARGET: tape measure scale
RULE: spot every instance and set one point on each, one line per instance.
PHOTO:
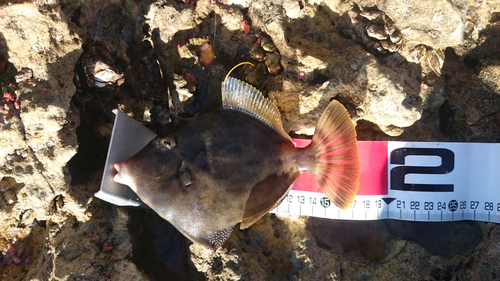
(412, 181)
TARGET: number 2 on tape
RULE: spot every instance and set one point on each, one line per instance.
(398, 173)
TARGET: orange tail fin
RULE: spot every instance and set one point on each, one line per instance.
(337, 159)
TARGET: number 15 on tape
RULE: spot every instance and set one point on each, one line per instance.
(415, 181)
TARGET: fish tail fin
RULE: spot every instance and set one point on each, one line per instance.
(336, 163)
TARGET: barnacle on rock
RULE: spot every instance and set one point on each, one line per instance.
(273, 63)
(418, 52)
(433, 57)
(267, 44)
(389, 46)
(372, 15)
(267, 58)
(101, 74)
(257, 52)
(254, 75)
(376, 30)
(97, 68)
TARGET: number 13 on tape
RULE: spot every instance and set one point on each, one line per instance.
(414, 181)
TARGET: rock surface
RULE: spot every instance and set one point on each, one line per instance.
(439, 25)
(56, 125)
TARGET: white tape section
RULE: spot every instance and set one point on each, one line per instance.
(413, 181)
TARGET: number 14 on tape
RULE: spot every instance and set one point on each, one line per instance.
(414, 181)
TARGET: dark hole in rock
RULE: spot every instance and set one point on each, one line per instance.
(159, 249)
(217, 265)
(301, 5)
(319, 78)
(75, 16)
(495, 17)
(42, 223)
(58, 202)
(451, 61)
(92, 146)
(471, 61)
(367, 130)
(447, 124)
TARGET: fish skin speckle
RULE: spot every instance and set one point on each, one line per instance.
(208, 173)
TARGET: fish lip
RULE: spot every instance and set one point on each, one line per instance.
(118, 167)
(119, 176)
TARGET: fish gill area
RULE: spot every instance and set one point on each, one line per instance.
(405, 70)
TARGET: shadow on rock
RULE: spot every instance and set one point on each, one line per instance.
(160, 250)
(372, 241)
(366, 241)
(440, 238)
(472, 112)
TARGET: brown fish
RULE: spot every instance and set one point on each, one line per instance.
(207, 173)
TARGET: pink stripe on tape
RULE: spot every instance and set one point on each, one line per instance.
(373, 163)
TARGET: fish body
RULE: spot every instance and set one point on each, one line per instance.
(208, 177)
(208, 173)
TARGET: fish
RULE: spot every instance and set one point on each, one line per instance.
(207, 173)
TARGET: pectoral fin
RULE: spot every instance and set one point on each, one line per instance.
(265, 195)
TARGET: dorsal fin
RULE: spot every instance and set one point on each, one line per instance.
(238, 95)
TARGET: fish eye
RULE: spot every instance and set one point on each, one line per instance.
(168, 142)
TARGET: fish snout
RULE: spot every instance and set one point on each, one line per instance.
(119, 177)
(118, 166)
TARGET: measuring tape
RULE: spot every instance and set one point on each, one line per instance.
(412, 181)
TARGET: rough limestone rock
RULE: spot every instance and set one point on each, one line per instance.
(328, 250)
(438, 25)
(38, 143)
(335, 67)
(490, 76)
